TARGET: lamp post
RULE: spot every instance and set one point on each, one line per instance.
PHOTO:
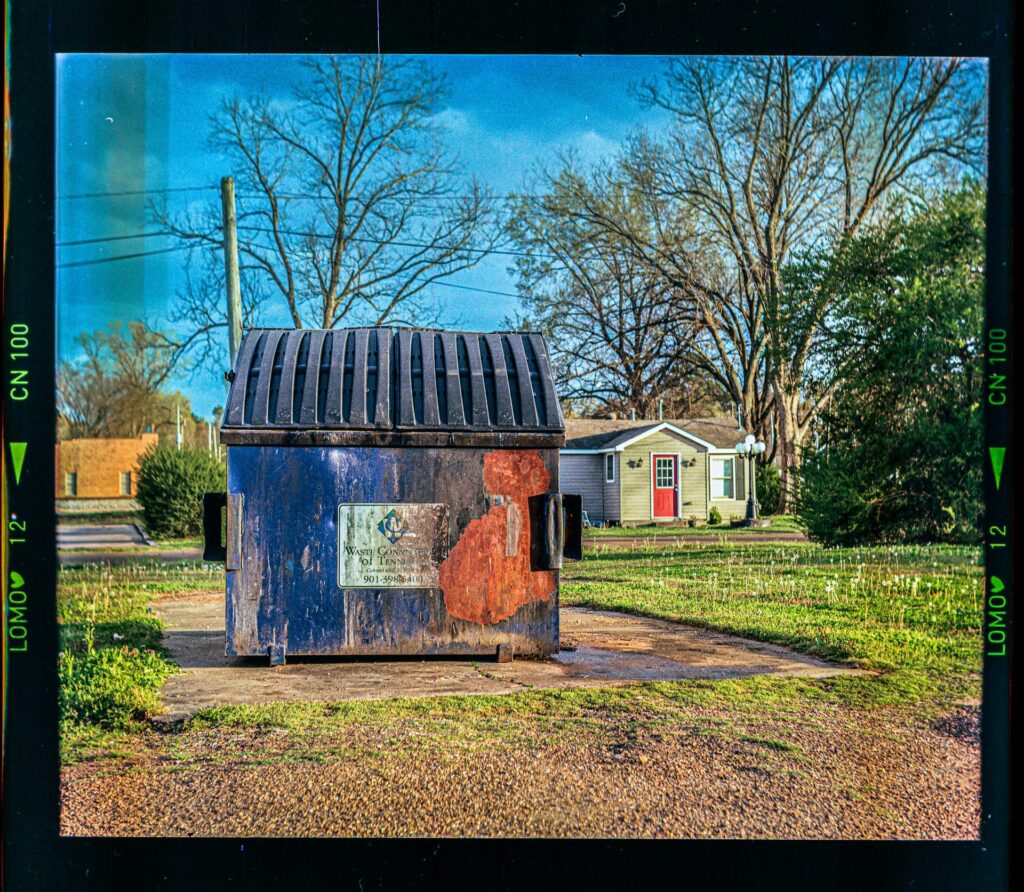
(751, 447)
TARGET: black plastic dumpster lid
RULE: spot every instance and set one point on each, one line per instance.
(390, 379)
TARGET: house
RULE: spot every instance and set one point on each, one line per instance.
(632, 472)
(102, 468)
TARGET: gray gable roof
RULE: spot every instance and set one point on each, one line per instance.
(607, 433)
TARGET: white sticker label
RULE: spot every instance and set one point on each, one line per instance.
(391, 546)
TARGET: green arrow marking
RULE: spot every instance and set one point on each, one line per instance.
(996, 585)
(18, 458)
(996, 453)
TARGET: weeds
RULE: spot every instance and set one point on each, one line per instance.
(111, 662)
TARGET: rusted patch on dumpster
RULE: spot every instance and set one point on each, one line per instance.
(482, 580)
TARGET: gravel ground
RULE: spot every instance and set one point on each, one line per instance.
(826, 773)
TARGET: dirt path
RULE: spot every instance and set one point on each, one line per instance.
(602, 649)
(826, 774)
(614, 768)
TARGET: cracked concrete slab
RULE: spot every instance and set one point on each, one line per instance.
(601, 649)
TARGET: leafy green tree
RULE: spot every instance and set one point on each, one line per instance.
(902, 451)
(769, 488)
(171, 486)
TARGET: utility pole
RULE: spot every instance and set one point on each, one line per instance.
(227, 203)
(177, 424)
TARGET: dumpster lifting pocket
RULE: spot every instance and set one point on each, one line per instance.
(572, 532)
(214, 504)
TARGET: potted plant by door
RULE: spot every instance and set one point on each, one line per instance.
(691, 521)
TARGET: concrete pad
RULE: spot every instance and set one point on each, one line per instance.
(603, 649)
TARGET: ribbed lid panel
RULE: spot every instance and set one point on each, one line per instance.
(393, 379)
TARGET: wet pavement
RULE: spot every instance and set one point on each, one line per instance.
(600, 649)
(99, 536)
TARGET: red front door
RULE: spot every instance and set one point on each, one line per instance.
(663, 473)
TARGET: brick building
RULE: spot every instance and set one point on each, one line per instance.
(101, 468)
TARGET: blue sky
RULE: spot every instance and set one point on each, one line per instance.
(128, 123)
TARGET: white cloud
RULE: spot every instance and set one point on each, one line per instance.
(453, 120)
(593, 147)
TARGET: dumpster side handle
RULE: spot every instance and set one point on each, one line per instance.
(553, 531)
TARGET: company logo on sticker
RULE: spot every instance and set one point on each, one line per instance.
(392, 526)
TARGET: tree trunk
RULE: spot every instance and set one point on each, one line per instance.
(788, 440)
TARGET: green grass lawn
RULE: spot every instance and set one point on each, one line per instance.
(142, 550)
(106, 516)
(780, 523)
(910, 614)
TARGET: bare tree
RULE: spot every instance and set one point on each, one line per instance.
(621, 334)
(715, 337)
(87, 395)
(775, 156)
(350, 207)
(115, 388)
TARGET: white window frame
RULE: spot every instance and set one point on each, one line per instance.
(671, 470)
(71, 483)
(731, 459)
(121, 482)
(609, 462)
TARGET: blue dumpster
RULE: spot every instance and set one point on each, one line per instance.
(391, 491)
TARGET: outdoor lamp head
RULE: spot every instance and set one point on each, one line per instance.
(741, 448)
(759, 447)
(749, 439)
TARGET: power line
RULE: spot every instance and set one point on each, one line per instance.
(110, 238)
(141, 254)
(302, 196)
(305, 196)
(125, 256)
(470, 288)
(101, 239)
(399, 244)
(133, 192)
(187, 247)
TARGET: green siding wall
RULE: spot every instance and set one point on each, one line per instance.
(636, 482)
(628, 499)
